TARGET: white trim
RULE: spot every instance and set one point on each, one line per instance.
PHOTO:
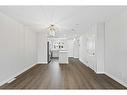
(11, 80)
(12, 77)
(88, 66)
(42, 62)
(100, 72)
(116, 79)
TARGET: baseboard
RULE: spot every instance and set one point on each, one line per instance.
(116, 79)
(83, 62)
(100, 72)
(5, 81)
(87, 65)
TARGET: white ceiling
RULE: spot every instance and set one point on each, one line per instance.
(65, 18)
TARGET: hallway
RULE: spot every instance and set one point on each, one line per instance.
(74, 75)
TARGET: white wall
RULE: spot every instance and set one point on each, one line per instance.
(96, 33)
(111, 48)
(42, 47)
(100, 47)
(17, 48)
(116, 48)
(84, 56)
(70, 47)
(76, 48)
(82, 50)
(73, 47)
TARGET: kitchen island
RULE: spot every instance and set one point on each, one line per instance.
(63, 57)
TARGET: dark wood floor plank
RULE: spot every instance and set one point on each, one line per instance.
(74, 75)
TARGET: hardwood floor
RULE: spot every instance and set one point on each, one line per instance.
(74, 75)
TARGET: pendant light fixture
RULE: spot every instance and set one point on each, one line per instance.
(52, 30)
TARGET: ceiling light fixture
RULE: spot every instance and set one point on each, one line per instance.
(52, 30)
